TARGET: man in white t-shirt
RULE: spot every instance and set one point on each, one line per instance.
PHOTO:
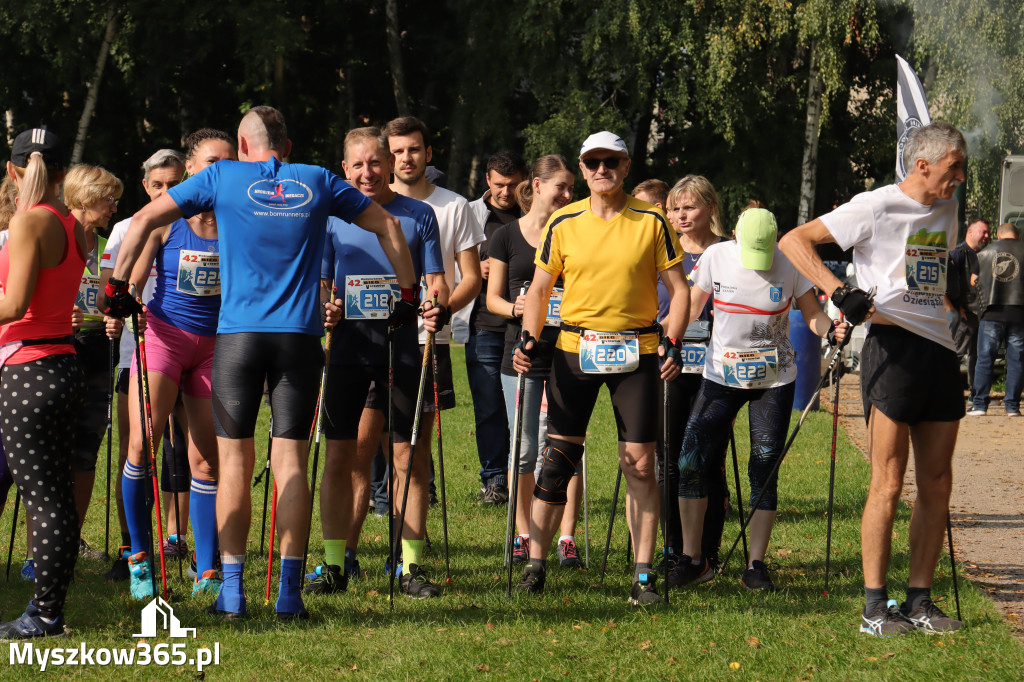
(910, 379)
(408, 138)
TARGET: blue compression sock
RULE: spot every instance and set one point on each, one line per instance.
(202, 510)
(232, 594)
(136, 511)
(289, 597)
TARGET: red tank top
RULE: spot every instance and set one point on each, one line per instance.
(49, 309)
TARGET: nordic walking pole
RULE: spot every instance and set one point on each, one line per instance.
(611, 523)
(391, 460)
(400, 526)
(586, 513)
(513, 502)
(14, 529)
(739, 491)
(664, 471)
(833, 358)
(318, 424)
(832, 472)
(147, 447)
(270, 550)
(110, 415)
(952, 564)
(440, 458)
(265, 475)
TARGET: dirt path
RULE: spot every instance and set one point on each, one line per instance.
(988, 497)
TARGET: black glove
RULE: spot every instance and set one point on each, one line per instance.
(445, 317)
(405, 310)
(831, 335)
(524, 339)
(118, 301)
(673, 349)
(854, 303)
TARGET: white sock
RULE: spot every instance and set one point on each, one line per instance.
(566, 537)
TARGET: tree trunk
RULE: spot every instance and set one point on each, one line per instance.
(395, 57)
(809, 169)
(113, 19)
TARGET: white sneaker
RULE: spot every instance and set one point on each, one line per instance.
(1015, 413)
(975, 412)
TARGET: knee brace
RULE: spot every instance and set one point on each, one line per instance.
(560, 461)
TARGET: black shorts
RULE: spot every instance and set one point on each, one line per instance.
(908, 378)
(445, 386)
(124, 375)
(572, 395)
(289, 363)
(351, 388)
(93, 350)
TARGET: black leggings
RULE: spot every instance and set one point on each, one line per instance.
(40, 401)
(682, 392)
(707, 434)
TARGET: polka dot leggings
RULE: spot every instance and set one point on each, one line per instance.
(40, 399)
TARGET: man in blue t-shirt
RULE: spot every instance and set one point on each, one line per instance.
(272, 218)
(355, 267)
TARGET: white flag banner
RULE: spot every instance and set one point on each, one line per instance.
(911, 110)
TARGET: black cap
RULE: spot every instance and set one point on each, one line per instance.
(37, 140)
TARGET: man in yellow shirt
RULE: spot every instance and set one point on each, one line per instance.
(609, 249)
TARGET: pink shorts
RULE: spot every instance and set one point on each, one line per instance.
(181, 356)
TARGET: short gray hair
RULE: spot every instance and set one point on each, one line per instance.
(932, 142)
(164, 158)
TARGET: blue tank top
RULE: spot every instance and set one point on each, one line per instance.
(187, 291)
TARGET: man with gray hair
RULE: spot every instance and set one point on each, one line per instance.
(910, 375)
(271, 223)
(1002, 319)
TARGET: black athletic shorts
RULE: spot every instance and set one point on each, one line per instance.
(351, 388)
(123, 377)
(290, 364)
(908, 378)
(445, 386)
(572, 395)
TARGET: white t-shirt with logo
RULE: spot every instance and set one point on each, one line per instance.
(459, 230)
(107, 260)
(751, 317)
(901, 247)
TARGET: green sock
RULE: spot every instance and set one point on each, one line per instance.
(412, 550)
(334, 553)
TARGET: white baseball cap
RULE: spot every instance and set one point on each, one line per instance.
(603, 140)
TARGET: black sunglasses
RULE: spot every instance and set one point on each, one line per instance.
(610, 162)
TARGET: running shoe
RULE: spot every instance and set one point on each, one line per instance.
(929, 618)
(494, 494)
(416, 584)
(398, 569)
(381, 510)
(885, 621)
(1013, 413)
(976, 412)
(193, 571)
(645, 591)
(140, 567)
(174, 547)
(326, 580)
(520, 550)
(28, 570)
(31, 625)
(119, 571)
(686, 573)
(87, 552)
(532, 581)
(757, 578)
(208, 586)
(568, 554)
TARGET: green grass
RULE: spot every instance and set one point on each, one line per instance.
(573, 630)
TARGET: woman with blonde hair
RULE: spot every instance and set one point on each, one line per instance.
(41, 383)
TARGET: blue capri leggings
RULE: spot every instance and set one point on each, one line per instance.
(707, 433)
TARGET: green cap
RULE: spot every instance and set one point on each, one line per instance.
(756, 232)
